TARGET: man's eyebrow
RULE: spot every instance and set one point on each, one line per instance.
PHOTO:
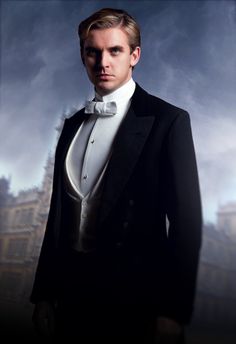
(90, 47)
(120, 47)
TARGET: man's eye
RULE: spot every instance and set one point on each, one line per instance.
(91, 52)
(115, 51)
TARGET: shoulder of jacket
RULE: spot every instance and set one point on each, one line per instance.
(155, 106)
(165, 107)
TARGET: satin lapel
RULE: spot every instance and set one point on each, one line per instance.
(127, 149)
(69, 130)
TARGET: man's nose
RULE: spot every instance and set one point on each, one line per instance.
(103, 60)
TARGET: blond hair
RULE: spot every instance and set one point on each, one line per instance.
(108, 18)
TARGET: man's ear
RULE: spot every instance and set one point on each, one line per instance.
(135, 56)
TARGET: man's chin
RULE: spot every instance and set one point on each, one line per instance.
(105, 89)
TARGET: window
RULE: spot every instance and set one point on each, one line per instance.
(17, 248)
(30, 216)
(17, 218)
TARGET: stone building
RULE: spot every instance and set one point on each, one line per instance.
(216, 289)
(226, 219)
(23, 219)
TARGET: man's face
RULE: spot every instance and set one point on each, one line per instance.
(107, 59)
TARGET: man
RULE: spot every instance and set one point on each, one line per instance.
(109, 266)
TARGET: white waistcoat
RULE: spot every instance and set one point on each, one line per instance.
(86, 162)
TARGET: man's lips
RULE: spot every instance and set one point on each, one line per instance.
(104, 76)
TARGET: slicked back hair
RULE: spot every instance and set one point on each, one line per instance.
(111, 18)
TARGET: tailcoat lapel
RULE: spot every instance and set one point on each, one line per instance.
(69, 130)
(127, 148)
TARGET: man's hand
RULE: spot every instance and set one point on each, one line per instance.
(168, 331)
(44, 319)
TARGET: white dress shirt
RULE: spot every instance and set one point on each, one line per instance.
(87, 158)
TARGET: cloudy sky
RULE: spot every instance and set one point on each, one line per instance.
(188, 59)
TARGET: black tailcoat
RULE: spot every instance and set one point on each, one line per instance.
(151, 176)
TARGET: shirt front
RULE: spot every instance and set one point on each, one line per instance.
(91, 149)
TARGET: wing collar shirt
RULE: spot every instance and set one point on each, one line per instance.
(86, 162)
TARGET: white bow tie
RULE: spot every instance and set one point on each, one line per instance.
(101, 108)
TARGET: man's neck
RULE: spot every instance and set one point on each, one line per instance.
(117, 93)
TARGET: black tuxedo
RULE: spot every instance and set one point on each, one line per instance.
(152, 173)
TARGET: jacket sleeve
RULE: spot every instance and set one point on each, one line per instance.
(185, 220)
(44, 286)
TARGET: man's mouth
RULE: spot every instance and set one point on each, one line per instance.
(104, 76)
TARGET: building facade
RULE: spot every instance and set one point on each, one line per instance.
(226, 220)
(215, 306)
(23, 220)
